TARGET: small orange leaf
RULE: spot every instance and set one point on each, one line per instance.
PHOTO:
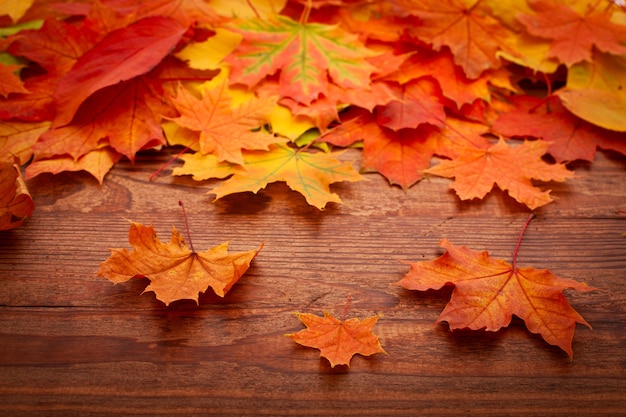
(489, 291)
(338, 340)
(174, 271)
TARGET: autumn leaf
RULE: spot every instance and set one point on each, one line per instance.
(308, 173)
(16, 203)
(56, 46)
(203, 167)
(306, 54)
(398, 155)
(402, 155)
(225, 129)
(595, 91)
(489, 291)
(97, 162)
(471, 33)
(417, 102)
(476, 170)
(454, 84)
(569, 137)
(175, 272)
(15, 8)
(11, 82)
(18, 138)
(573, 35)
(122, 55)
(338, 340)
(34, 106)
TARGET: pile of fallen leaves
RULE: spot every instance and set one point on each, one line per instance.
(488, 92)
(257, 91)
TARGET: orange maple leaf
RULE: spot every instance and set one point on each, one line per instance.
(15, 202)
(488, 291)
(10, 80)
(573, 35)
(476, 170)
(402, 155)
(471, 33)
(453, 82)
(96, 162)
(338, 340)
(175, 272)
(18, 138)
(224, 130)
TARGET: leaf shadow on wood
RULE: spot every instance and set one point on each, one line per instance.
(480, 344)
(276, 197)
(47, 188)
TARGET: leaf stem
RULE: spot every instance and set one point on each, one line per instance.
(175, 157)
(256, 12)
(345, 308)
(519, 240)
(304, 17)
(180, 203)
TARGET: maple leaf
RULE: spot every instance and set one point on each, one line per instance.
(488, 291)
(97, 162)
(15, 9)
(306, 54)
(595, 91)
(338, 340)
(16, 203)
(11, 83)
(418, 101)
(203, 167)
(573, 35)
(56, 46)
(471, 33)
(34, 106)
(453, 82)
(121, 55)
(308, 173)
(569, 137)
(476, 170)
(402, 155)
(224, 130)
(175, 272)
(18, 138)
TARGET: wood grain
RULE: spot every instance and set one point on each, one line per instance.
(73, 344)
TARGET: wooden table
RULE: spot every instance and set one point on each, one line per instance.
(74, 344)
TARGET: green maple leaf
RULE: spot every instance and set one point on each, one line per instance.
(306, 54)
(308, 173)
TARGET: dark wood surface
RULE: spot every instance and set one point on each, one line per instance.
(74, 344)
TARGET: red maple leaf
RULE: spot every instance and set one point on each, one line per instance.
(418, 101)
(569, 137)
(123, 54)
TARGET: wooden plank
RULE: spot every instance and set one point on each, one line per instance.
(72, 343)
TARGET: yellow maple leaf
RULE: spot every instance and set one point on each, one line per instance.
(308, 173)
